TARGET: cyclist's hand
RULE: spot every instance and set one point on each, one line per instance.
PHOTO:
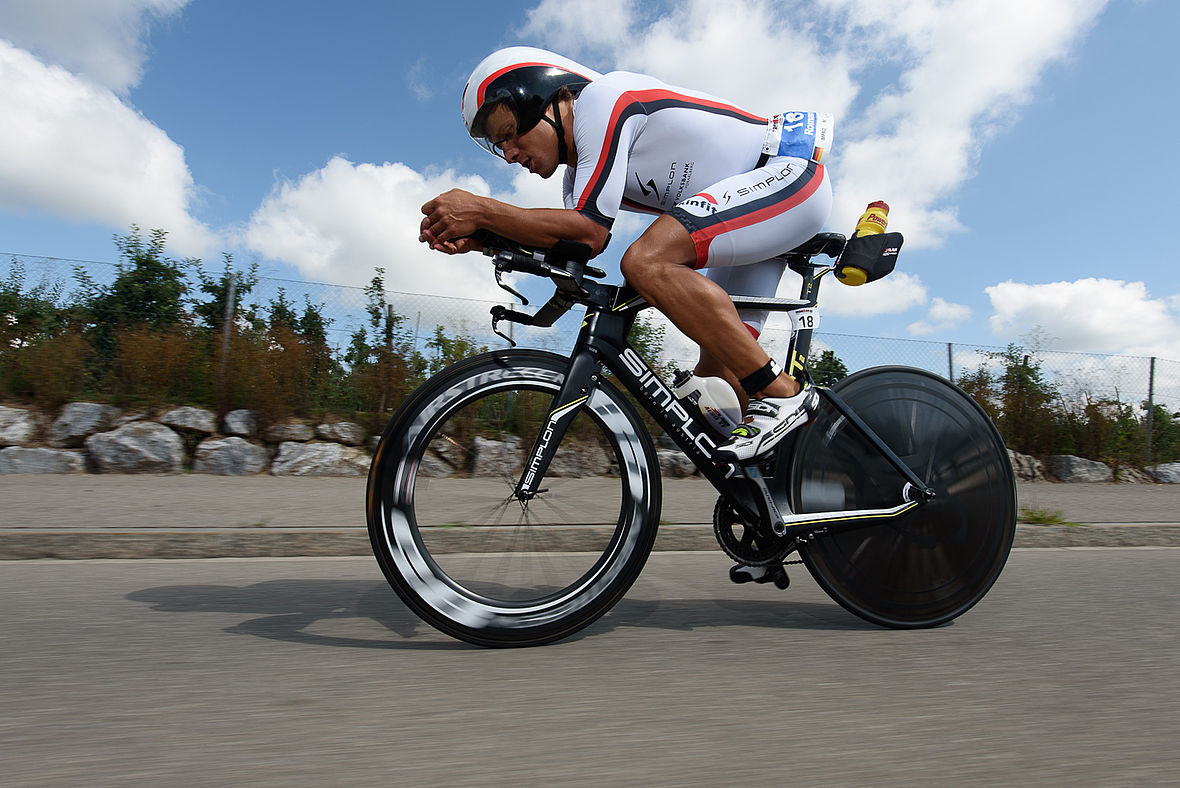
(457, 246)
(450, 217)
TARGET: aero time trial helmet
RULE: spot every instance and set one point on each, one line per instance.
(526, 80)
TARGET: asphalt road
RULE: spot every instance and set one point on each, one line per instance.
(310, 672)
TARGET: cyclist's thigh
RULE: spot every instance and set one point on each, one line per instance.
(750, 217)
(758, 279)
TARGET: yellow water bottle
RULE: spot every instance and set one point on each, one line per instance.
(874, 220)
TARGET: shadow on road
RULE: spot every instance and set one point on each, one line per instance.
(290, 608)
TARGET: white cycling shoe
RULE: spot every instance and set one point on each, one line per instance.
(767, 422)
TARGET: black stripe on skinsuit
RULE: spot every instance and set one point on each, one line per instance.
(648, 108)
(701, 222)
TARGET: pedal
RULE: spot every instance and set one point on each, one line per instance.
(743, 573)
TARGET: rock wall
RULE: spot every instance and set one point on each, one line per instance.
(95, 438)
(90, 437)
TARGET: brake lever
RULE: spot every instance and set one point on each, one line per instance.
(524, 301)
(498, 312)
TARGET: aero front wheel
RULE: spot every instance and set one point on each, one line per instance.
(456, 544)
(932, 564)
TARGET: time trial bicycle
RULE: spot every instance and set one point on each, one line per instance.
(515, 496)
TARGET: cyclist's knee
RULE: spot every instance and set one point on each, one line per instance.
(646, 263)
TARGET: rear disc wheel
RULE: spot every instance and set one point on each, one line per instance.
(935, 562)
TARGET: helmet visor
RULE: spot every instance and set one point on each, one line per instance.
(492, 134)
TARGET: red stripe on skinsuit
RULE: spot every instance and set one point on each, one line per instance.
(701, 239)
(640, 97)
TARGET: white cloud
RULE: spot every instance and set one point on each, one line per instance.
(742, 50)
(418, 81)
(103, 40)
(942, 316)
(967, 66)
(340, 222)
(963, 67)
(892, 295)
(72, 148)
(575, 28)
(1101, 315)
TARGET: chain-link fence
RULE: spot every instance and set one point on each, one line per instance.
(425, 325)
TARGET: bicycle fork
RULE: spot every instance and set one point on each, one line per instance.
(580, 382)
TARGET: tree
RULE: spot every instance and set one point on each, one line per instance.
(383, 364)
(27, 315)
(828, 369)
(1019, 401)
(149, 291)
(449, 350)
(647, 337)
(211, 313)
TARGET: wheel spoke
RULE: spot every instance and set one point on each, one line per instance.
(463, 551)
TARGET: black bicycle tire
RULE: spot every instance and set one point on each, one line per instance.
(934, 563)
(390, 500)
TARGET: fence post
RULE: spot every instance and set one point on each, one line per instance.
(385, 361)
(950, 362)
(227, 327)
(1150, 409)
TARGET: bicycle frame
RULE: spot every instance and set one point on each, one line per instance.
(602, 344)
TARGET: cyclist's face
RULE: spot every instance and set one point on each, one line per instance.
(535, 150)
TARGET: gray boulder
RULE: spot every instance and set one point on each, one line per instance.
(191, 419)
(342, 432)
(1026, 468)
(18, 460)
(1069, 468)
(229, 457)
(1168, 473)
(127, 418)
(139, 447)
(16, 426)
(497, 458)
(283, 433)
(1128, 475)
(434, 466)
(80, 420)
(580, 459)
(241, 422)
(457, 456)
(319, 459)
(675, 464)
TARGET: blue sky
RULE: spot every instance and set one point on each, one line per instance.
(1027, 146)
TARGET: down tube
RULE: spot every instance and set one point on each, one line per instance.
(689, 433)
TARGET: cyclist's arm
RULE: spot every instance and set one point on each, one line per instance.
(452, 216)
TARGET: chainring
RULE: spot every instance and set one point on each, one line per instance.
(741, 542)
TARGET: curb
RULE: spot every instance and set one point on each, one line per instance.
(19, 544)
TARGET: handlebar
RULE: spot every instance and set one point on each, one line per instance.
(564, 264)
(565, 258)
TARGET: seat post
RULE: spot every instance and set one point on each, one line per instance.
(803, 318)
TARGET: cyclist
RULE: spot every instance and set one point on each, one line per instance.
(730, 190)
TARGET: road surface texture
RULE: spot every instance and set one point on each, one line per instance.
(309, 671)
(196, 516)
